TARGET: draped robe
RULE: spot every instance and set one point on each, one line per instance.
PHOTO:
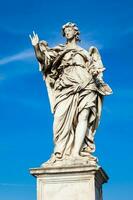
(71, 88)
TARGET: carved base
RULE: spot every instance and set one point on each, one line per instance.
(83, 182)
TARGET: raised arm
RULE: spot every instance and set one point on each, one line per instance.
(35, 42)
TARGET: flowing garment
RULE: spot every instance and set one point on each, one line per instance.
(71, 88)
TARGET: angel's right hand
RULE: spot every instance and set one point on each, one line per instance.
(34, 39)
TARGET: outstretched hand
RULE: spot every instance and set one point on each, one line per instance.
(34, 39)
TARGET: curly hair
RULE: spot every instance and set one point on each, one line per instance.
(74, 26)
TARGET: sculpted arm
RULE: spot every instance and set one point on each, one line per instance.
(45, 57)
(35, 42)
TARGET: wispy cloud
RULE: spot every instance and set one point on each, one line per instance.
(26, 54)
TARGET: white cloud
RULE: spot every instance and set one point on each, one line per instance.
(26, 54)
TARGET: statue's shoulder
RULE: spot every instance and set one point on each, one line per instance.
(90, 50)
(59, 47)
(83, 52)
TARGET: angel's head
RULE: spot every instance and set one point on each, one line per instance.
(70, 31)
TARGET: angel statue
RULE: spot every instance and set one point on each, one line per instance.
(75, 85)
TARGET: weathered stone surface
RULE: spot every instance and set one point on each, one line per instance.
(75, 85)
(76, 88)
(70, 183)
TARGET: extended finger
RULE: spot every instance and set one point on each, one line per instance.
(30, 37)
(34, 33)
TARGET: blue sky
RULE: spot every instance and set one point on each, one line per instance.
(26, 121)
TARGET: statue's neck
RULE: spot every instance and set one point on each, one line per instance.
(71, 43)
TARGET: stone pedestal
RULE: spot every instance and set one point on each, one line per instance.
(70, 183)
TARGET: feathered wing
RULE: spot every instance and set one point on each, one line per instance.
(96, 60)
(96, 63)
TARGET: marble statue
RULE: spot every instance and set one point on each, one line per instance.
(75, 85)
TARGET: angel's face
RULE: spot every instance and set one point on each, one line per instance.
(69, 33)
